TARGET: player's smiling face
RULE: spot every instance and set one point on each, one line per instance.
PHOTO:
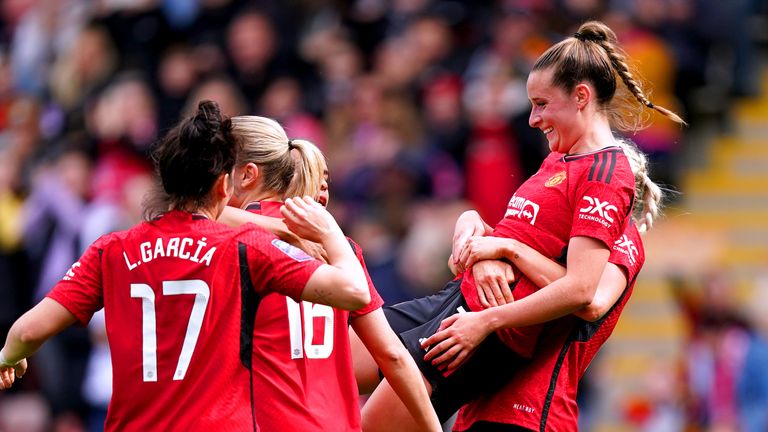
(553, 111)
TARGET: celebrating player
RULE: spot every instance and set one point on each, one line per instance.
(174, 287)
(574, 208)
(302, 357)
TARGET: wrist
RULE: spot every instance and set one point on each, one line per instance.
(5, 363)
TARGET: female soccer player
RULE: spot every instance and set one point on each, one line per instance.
(173, 291)
(302, 358)
(575, 208)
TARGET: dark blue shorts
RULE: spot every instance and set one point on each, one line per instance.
(490, 366)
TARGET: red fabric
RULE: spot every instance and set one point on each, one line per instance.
(133, 274)
(579, 195)
(308, 389)
(523, 400)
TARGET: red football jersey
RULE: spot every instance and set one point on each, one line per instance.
(542, 395)
(172, 292)
(303, 361)
(587, 194)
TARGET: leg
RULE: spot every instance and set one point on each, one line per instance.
(385, 412)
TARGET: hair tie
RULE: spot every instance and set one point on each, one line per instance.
(593, 37)
(650, 105)
(290, 144)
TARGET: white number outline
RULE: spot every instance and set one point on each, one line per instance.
(201, 292)
(311, 311)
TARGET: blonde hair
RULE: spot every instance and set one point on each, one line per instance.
(648, 195)
(265, 143)
(593, 54)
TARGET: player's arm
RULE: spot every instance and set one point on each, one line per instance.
(468, 224)
(460, 334)
(26, 336)
(340, 283)
(397, 366)
(542, 271)
(236, 217)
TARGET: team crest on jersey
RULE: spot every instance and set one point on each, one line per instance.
(627, 247)
(555, 179)
(599, 211)
(291, 251)
(522, 208)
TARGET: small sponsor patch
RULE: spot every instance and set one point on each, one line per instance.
(291, 251)
(555, 179)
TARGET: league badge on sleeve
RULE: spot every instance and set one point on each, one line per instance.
(290, 250)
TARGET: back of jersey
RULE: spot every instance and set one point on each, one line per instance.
(172, 302)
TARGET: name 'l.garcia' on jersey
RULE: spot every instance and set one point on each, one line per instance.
(175, 247)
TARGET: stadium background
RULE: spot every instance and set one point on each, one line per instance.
(420, 107)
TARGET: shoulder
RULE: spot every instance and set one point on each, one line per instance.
(608, 165)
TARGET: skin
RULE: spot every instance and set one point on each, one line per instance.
(572, 122)
(381, 345)
(342, 284)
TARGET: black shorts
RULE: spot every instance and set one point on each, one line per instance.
(488, 369)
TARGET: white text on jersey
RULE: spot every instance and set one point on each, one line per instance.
(175, 247)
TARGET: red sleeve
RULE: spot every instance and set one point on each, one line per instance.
(602, 203)
(376, 300)
(628, 251)
(276, 266)
(80, 291)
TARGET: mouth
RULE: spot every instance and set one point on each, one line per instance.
(323, 201)
(548, 130)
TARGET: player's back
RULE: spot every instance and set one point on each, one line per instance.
(173, 308)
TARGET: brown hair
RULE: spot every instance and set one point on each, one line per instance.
(594, 55)
(189, 160)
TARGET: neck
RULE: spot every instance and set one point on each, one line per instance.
(253, 196)
(596, 137)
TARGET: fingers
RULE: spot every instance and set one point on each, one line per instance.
(447, 355)
(444, 324)
(6, 378)
(21, 368)
(457, 361)
(482, 297)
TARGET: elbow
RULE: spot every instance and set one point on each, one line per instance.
(359, 296)
(583, 295)
(592, 312)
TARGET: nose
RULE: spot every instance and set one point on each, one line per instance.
(534, 119)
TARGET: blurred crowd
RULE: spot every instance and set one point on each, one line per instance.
(419, 105)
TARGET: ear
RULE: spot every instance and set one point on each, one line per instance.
(583, 95)
(249, 175)
(222, 186)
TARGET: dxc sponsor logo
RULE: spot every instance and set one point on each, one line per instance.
(522, 208)
(602, 208)
(627, 247)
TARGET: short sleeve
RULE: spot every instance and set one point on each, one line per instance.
(376, 300)
(80, 291)
(602, 202)
(276, 266)
(628, 251)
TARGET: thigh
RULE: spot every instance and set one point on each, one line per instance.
(490, 367)
(410, 314)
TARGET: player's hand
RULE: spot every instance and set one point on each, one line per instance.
(8, 374)
(455, 341)
(467, 225)
(308, 219)
(492, 279)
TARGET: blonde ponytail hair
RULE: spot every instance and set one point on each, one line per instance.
(310, 167)
(648, 195)
(287, 173)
